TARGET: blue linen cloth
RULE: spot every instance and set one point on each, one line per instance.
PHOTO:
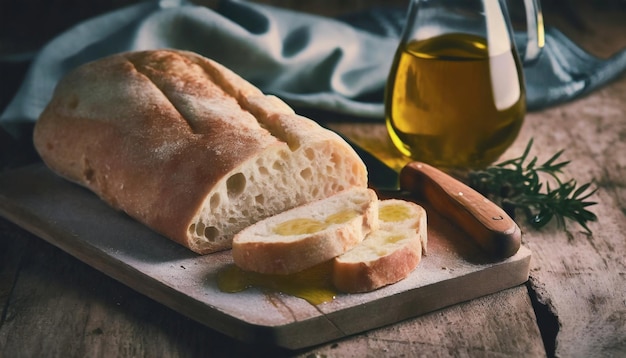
(312, 62)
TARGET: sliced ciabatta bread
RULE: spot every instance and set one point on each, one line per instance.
(395, 213)
(386, 255)
(307, 235)
(187, 147)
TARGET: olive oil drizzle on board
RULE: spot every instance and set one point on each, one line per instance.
(313, 284)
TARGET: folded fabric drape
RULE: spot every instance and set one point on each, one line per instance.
(337, 65)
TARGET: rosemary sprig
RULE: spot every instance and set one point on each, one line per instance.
(516, 185)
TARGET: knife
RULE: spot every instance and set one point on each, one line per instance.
(484, 221)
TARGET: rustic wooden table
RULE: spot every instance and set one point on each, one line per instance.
(574, 304)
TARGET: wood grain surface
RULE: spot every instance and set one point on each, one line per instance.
(53, 305)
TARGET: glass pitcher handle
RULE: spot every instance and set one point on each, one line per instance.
(536, 33)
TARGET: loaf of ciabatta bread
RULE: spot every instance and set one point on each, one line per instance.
(187, 147)
(386, 255)
(308, 235)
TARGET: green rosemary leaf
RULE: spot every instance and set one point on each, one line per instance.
(556, 156)
(516, 185)
(581, 190)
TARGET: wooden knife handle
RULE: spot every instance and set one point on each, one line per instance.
(487, 223)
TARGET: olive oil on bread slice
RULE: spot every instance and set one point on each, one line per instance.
(300, 226)
(313, 284)
(308, 235)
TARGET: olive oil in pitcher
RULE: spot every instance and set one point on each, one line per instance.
(452, 103)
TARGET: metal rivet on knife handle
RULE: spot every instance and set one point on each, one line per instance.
(479, 217)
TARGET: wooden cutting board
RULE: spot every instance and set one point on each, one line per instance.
(78, 222)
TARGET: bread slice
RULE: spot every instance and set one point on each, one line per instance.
(396, 213)
(308, 235)
(187, 147)
(386, 255)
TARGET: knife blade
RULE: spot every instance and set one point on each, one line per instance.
(483, 220)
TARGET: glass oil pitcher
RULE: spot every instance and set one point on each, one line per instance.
(455, 96)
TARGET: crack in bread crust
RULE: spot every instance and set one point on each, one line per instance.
(147, 74)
